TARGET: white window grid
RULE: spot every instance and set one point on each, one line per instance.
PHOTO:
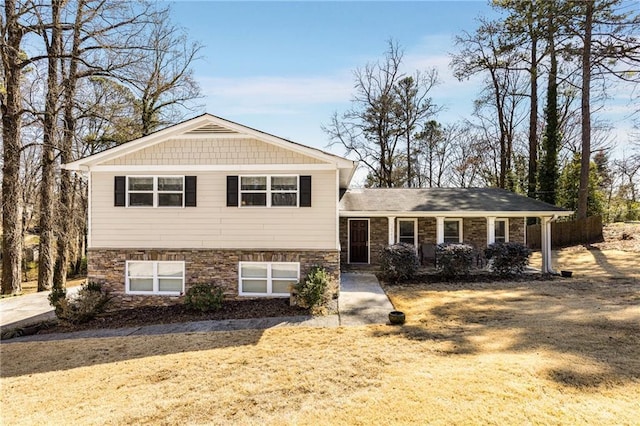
(156, 278)
(269, 191)
(460, 234)
(414, 224)
(269, 278)
(506, 230)
(155, 191)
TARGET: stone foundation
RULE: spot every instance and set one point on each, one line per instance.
(220, 267)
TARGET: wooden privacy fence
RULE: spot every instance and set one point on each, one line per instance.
(563, 234)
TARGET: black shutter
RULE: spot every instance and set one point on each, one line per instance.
(305, 191)
(232, 191)
(190, 191)
(120, 191)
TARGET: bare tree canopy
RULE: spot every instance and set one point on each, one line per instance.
(78, 77)
(388, 107)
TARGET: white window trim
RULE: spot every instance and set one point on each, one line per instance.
(460, 226)
(155, 192)
(506, 229)
(269, 279)
(155, 277)
(415, 230)
(269, 191)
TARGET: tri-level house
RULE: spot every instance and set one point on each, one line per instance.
(210, 200)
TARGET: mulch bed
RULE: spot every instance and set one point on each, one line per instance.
(150, 315)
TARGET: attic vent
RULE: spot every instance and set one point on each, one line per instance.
(210, 128)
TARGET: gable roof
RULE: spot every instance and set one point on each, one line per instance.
(443, 201)
(211, 126)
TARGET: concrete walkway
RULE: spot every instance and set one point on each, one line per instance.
(361, 302)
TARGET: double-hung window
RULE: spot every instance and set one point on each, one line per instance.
(268, 278)
(453, 230)
(155, 191)
(407, 231)
(501, 230)
(151, 277)
(269, 191)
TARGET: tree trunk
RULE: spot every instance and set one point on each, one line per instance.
(66, 200)
(47, 184)
(583, 192)
(409, 177)
(11, 182)
(533, 120)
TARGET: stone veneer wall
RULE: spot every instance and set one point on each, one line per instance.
(107, 266)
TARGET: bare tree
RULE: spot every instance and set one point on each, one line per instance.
(609, 48)
(161, 79)
(374, 125)
(13, 64)
(51, 32)
(489, 51)
(413, 106)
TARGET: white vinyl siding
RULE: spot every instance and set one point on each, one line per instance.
(154, 278)
(267, 278)
(212, 224)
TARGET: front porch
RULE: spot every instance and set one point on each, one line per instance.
(363, 238)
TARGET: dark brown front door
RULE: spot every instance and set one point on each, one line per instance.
(359, 241)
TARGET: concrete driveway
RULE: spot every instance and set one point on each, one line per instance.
(27, 309)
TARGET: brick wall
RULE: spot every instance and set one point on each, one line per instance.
(516, 229)
(474, 232)
(215, 266)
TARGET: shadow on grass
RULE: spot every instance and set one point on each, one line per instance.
(67, 354)
(593, 326)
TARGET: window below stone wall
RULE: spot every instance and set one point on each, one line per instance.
(267, 278)
(151, 277)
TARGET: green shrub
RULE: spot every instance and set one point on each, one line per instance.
(507, 258)
(454, 260)
(82, 307)
(315, 291)
(204, 297)
(55, 298)
(398, 262)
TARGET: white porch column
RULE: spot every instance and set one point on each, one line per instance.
(439, 229)
(392, 229)
(491, 230)
(545, 244)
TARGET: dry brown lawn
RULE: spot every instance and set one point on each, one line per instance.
(540, 352)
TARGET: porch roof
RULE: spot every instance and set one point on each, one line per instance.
(444, 201)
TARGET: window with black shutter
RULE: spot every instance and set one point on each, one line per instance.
(120, 191)
(305, 191)
(232, 191)
(190, 191)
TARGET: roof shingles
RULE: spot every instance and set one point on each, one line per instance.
(441, 200)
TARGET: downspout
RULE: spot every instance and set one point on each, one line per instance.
(546, 249)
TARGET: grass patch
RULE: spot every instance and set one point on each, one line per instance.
(550, 352)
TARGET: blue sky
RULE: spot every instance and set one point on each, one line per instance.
(285, 67)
